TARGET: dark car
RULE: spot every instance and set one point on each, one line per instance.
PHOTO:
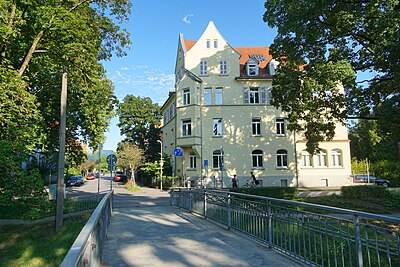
(363, 178)
(120, 177)
(75, 181)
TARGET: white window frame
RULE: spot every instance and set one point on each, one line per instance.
(282, 159)
(187, 127)
(223, 70)
(336, 155)
(192, 162)
(217, 159)
(257, 159)
(252, 69)
(256, 126)
(306, 159)
(203, 68)
(218, 95)
(321, 159)
(215, 43)
(254, 95)
(208, 43)
(280, 127)
(208, 96)
(217, 127)
(186, 96)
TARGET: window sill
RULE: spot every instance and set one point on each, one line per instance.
(223, 74)
(282, 168)
(257, 168)
(217, 136)
(257, 135)
(280, 135)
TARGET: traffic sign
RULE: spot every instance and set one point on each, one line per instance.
(111, 159)
(111, 168)
(178, 152)
(205, 162)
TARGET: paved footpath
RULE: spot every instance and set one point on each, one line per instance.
(146, 231)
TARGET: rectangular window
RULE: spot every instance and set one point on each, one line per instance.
(321, 159)
(165, 117)
(217, 127)
(254, 96)
(257, 160)
(222, 67)
(252, 69)
(281, 160)
(280, 127)
(186, 96)
(208, 43)
(207, 96)
(256, 126)
(215, 43)
(218, 96)
(203, 68)
(192, 162)
(171, 112)
(217, 161)
(186, 127)
(306, 158)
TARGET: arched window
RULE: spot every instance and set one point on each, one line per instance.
(336, 158)
(306, 159)
(257, 158)
(321, 159)
(217, 159)
(281, 159)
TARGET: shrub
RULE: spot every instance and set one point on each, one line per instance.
(275, 192)
(365, 192)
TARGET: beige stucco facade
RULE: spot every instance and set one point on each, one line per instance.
(220, 114)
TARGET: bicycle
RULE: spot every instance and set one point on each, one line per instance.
(251, 184)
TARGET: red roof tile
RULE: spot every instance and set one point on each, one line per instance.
(245, 56)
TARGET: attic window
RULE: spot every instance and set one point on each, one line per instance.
(252, 69)
(258, 57)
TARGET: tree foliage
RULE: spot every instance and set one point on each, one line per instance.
(139, 122)
(41, 38)
(130, 156)
(364, 34)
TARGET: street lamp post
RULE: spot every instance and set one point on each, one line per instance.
(161, 164)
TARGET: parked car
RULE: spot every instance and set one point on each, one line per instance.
(363, 178)
(91, 176)
(75, 181)
(120, 177)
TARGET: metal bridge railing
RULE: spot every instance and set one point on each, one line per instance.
(87, 248)
(313, 234)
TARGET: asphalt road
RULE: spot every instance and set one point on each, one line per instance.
(92, 186)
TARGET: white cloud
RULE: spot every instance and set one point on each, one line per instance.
(186, 18)
(143, 81)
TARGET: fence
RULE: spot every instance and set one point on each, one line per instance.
(313, 234)
(87, 248)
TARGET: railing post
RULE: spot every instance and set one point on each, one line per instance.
(205, 204)
(190, 201)
(357, 239)
(229, 212)
(269, 222)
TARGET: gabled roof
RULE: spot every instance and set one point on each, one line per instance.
(189, 44)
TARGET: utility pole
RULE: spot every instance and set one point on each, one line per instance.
(61, 155)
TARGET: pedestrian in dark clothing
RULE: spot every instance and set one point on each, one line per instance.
(253, 178)
(235, 181)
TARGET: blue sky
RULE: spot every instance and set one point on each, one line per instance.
(148, 69)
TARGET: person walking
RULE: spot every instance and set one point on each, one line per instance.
(235, 181)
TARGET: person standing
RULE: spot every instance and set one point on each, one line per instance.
(235, 181)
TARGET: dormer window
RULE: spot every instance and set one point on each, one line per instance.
(252, 67)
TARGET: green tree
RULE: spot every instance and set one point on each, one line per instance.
(336, 33)
(130, 157)
(139, 122)
(39, 39)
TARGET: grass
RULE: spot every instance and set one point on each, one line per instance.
(38, 245)
(132, 186)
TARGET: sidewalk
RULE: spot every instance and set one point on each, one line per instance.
(146, 231)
